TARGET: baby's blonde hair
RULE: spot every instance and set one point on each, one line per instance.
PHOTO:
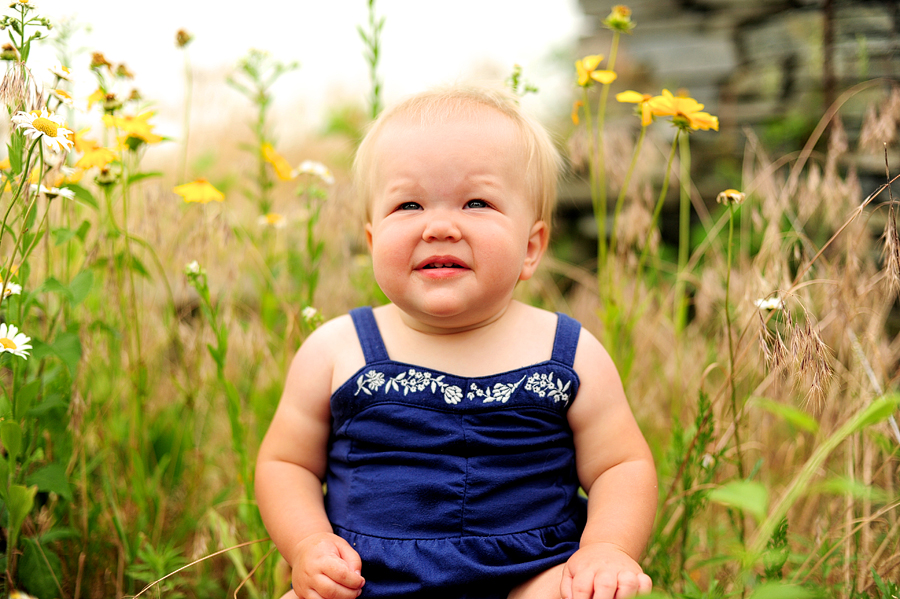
(543, 161)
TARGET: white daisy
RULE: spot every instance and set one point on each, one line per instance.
(311, 167)
(54, 192)
(308, 313)
(14, 342)
(771, 303)
(42, 124)
(63, 96)
(63, 72)
(10, 289)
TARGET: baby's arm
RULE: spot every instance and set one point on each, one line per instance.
(616, 469)
(289, 473)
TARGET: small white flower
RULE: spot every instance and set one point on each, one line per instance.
(311, 167)
(61, 71)
(14, 342)
(308, 313)
(40, 124)
(63, 96)
(192, 268)
(10, 288)
(53, 192)
(770, 303)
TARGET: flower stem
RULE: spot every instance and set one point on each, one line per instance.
(659, 203)
(684, 233)
(731, 375)
(620, 201)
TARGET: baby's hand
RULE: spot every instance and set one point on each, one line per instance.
(603, 571)
(325, 565)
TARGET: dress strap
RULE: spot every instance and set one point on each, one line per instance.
(566, 341)
(369, 335)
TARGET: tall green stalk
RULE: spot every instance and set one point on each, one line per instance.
(684, 232)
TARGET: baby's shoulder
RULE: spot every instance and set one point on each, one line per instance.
(334, 347)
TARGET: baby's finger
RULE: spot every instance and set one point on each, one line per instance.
(645, 584)
(349, 555)
(627, 586)
(327, 588)
(565, 586)
(604, 586)
(338, 571)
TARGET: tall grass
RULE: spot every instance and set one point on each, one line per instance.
(160, 331)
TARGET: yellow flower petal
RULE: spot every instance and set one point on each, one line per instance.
(200, 191)
(575, 108)
(604, 77)
(282, 167)
(632, 97)
(98, 156)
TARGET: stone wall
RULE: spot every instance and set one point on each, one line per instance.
(752, 61)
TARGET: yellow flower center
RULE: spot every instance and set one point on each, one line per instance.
(7, 343)
(46, 126)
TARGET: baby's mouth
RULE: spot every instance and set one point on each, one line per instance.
(441, 265)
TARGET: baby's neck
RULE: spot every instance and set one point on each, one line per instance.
(519, 336)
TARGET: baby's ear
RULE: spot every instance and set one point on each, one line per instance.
(369, 235)
(537, 245)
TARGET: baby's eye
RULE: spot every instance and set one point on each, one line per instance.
(409, 206)
(476, 204)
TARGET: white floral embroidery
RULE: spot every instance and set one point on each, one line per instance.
(499, 392)
(371, 381)
(416, 381)
(544, 385)
(410, 381)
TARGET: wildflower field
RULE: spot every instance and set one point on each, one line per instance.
(148, 315)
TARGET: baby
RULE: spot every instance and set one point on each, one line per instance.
(454, 426)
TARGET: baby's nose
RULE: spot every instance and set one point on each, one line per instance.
(441, 227)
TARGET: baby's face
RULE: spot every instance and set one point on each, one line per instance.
(452, 227)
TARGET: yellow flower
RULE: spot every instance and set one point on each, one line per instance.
(97, 156)
(643, 102)
(200, 191)
(82, 143)
(576, 106)
(98, 96)
(135, 127)
(282, 167)
(686, 112)
(588, 73)
(272, 219)
(4, 164)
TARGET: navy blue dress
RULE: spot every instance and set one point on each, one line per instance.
(454, 486)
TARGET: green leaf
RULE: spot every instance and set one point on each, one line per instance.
(11, 436)
(743, 494)
(880, 409)
(794, 416)
(15, 148)
(19, 501)
(134, 178)
(67, 347)
(25, 396)
(4, 477)
(840, 485)
(51, 478)
(81, 286)
(776, 590)
(84, 196)
(53, 286)
(62, 235)
(40, 569)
